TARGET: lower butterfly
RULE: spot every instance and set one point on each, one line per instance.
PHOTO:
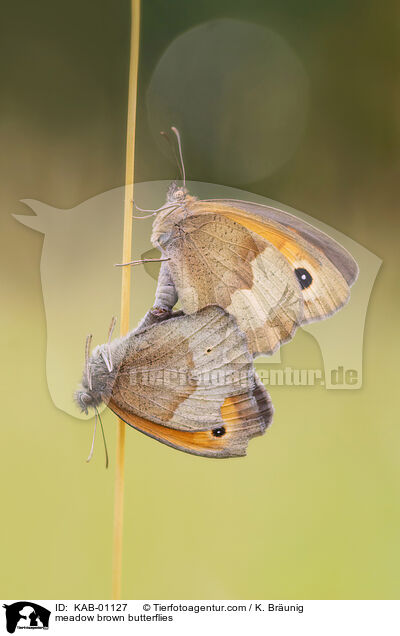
(188, 382)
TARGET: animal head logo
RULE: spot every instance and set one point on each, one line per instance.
(81, 286)
(26, 615)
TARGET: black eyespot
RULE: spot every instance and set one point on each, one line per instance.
(219, 432)
(304, 277)
(208, 350)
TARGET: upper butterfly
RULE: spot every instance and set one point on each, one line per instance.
(266, 267)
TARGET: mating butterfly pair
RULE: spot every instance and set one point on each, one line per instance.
(246, 276)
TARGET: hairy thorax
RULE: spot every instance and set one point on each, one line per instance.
(179, 205)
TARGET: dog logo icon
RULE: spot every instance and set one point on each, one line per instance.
(26, 615)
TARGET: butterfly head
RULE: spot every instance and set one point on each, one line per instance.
(177, 194)
(97, 381)
(99, 374)
(86, 400)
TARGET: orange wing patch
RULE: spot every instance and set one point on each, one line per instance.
(327, 290)
(229, 440)
(199, 443)
(287, 246)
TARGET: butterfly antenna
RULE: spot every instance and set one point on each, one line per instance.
(111, 328)
(87, 366)
(178, 163)
(94, 436)
(104, 437)
(110, 333)
(176, 133)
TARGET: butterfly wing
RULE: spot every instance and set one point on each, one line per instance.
(241, 416)
(325, 270)
(192, 375)
(214, 260)
(336, 253)
(324, 286)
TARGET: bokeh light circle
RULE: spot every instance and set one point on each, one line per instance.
(239, 95)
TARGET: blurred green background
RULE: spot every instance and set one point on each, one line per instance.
(313, 511)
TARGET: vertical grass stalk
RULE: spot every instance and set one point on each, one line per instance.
(125, 287)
